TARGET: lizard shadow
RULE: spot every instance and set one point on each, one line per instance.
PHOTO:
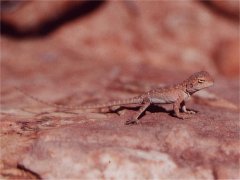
(151, 109)
(156, 109)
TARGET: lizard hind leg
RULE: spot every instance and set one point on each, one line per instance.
(135, 120)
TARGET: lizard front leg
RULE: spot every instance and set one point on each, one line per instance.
(184, 109)
(135, 119)
(176, 107)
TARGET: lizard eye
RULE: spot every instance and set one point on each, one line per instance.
(201, 80)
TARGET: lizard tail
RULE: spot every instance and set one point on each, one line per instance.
(134, 100)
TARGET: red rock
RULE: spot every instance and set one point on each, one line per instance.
(227, 58)
(30, 15)
(230, 7)
(140, 42)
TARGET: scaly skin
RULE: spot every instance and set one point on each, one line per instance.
(176, 95)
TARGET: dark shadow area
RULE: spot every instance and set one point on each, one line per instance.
(221, 12)
(47, 27)
(10, 5)
(157, 108)
(37, 176)
(151, 108)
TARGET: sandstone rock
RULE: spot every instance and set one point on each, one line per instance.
(153, 36)
(28, 16)
(82, 152)
(81, 60)
(229, 7)
(227, 58)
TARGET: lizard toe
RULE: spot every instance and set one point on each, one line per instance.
(131, 121)
(190, 112)
(182, 116)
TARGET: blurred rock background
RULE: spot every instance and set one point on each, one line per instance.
(72, 52)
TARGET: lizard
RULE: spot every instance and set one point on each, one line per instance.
(176, 94)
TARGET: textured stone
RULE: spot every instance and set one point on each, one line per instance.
(227, 58)
(229, 7)
(30, 15)
(115, 52)
(97, 153)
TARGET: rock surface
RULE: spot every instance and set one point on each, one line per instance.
(29, 16)
(114, 51)
(229, 7)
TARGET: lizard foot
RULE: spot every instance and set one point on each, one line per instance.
(132, 121)
(182, 116)
(190, 112)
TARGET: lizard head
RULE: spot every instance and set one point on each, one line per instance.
(198, 81)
